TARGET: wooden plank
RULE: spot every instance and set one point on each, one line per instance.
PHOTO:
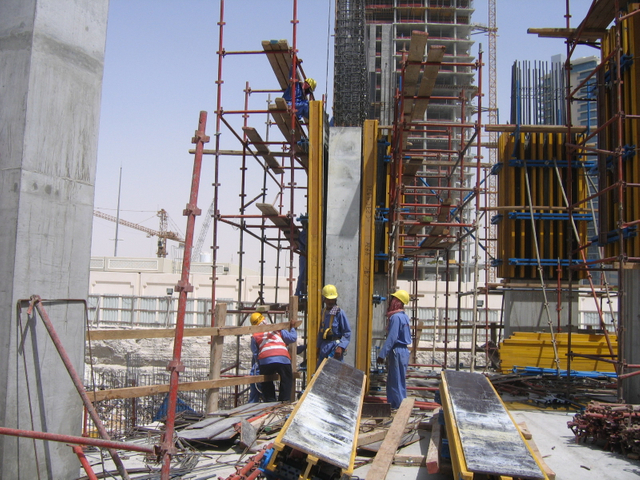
(384, 457)
(410, 460)
(438, 233)
(280, 62)
(433, 451)
(117, 334)
(281, 221)
(524, 430)
(262, 149)
(412, 70)
(534, 128)
(135, 392)
(545, 468)
(372, 436)
(591, 34)
(282, 116)
(217, 346)
(428, 82)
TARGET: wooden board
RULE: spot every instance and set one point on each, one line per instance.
(120, 334)
(412, 70)
(428, 82)
(282, 116)
(281, 221)
(384, 457)
(256, 140)
(279, 57)
(433, 451)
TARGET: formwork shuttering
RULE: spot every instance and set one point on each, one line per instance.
(611, 27)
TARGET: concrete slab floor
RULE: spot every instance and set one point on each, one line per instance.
(567, 459)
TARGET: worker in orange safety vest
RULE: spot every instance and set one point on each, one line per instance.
(270, 349)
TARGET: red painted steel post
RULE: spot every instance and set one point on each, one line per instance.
(183, 287)
(84, 462)
(36, 302)
(58, 437)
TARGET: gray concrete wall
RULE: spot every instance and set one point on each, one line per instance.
(51, 66)
(524, 311)
(631, 339)
(343, 222)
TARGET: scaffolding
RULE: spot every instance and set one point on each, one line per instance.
(610, 147)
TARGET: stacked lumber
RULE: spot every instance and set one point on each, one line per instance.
(529, 349)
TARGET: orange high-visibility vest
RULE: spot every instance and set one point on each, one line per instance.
(270, 344)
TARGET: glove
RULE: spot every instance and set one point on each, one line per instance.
(380, 360)
(338, 353)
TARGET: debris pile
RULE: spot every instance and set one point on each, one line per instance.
(550, 389)
(614, 426)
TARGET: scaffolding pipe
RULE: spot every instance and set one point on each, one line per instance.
(183, 287)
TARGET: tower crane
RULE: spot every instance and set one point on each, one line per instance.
(206, 223)
(163, 234)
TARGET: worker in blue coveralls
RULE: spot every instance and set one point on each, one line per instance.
(335, 333)
(303, 90)
(395, 348)
(273, 357)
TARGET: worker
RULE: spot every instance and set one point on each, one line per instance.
(335, 332)
(273, 357)
(303, 90)
(395, 348)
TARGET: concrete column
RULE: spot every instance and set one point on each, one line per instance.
(343, 222)
(51, 66)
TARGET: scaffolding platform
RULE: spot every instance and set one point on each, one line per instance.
(282, 117)
(279, 56)
(256, 140)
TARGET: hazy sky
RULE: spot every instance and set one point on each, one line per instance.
(161, 70)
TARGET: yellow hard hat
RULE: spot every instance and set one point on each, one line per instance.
(312, 83)
(330, 292)
(256, 318)
(401, 295)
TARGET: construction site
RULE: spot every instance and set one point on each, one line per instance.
(516, 242)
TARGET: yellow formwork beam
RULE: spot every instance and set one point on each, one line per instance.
(315, 252)
(367, 246)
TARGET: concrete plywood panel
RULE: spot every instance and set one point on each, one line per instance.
(631, 337)
(343, 221)
(525, 312)
(51, 65)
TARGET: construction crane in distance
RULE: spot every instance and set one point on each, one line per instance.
(163, 234)
(204, 229)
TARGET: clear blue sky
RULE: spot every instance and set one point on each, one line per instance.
(161, 68)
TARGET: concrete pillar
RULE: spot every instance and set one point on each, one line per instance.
(343, 222)
(51, 66)
(631, 338)
(525, 312)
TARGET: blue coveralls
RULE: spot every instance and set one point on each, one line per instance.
(397, 354)
(340, 332)
(302, 103)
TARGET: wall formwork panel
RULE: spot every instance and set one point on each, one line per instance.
(533, 223)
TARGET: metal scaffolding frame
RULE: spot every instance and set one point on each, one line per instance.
(614, 133)
(435, 192)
